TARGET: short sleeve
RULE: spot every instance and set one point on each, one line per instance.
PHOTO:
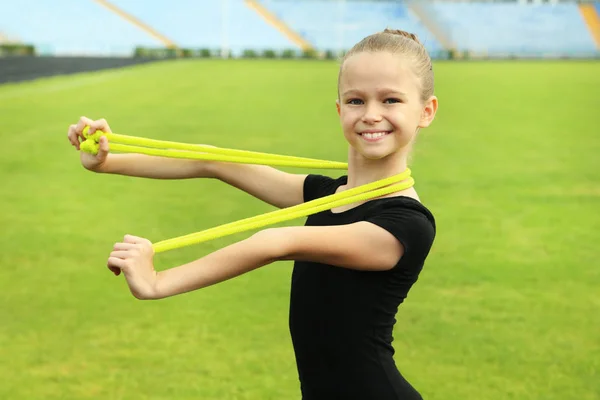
(412, 226)
(316, 186)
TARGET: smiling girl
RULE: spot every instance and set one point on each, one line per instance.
(353, 265)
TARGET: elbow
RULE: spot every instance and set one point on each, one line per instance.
(142, 296)
(145, 296)
(206, 169)
(273, 244)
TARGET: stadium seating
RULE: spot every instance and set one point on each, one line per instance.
(332, 25)
(65, 27)
(192, 23)
(512, 28)
(83, 27)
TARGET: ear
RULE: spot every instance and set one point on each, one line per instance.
(337, 105)
(428, 113)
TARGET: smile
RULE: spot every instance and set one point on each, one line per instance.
(374, 136)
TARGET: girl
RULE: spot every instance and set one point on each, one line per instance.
(354, 265)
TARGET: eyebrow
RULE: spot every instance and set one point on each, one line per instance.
(382, 91)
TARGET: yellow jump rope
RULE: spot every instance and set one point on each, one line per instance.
(131, 144)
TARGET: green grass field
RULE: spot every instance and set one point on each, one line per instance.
(507, 306)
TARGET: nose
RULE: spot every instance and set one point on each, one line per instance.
(372, 114)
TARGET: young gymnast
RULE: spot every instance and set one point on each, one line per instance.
(353, 265)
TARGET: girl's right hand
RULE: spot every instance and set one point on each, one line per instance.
(90, 161)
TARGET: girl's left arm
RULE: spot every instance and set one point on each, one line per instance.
(362, 246)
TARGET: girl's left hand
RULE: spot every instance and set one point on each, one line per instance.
(134, 257)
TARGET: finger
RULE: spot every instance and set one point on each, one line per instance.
(135, 239)
(72, 136)
(103, 149)
(81, 124)
(122, 254)
(123, 246)
(99, 125)
(115, 263)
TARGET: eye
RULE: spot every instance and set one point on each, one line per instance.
(392, 100)
(354, 101)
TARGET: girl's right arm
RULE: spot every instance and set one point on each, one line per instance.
(275, 187)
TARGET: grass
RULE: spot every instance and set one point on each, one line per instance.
(506, 307)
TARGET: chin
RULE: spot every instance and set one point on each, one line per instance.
(373, 156)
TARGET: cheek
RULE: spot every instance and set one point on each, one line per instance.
(403, 118)
(348, 119)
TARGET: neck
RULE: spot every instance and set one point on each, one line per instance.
(362, 170)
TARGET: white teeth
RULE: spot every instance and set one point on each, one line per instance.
(374, 135)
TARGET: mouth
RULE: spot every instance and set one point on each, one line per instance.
(374, 136)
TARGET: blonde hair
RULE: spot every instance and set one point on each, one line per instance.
(401, 43)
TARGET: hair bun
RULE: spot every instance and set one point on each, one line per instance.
(399, 32)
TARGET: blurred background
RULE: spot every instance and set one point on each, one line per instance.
(288, 28)
(507, 304)
(525, 28)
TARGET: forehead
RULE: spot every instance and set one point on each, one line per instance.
(379, 70)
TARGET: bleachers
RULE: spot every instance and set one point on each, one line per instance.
(330, 25)
(511, 28)
(193, 23)
(83, 27)
(65, 27)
